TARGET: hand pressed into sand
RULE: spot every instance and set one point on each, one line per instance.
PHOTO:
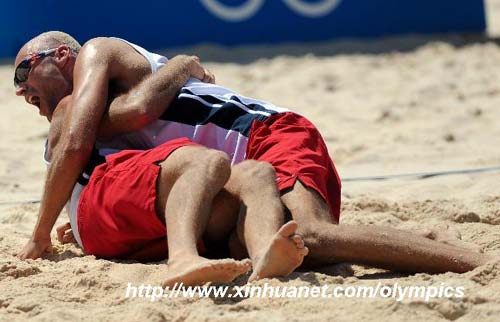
(35, 248)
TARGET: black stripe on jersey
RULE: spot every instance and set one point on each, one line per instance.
(215, 100)
(255, 107)
(95, 160)
(229, 115)
(82, 180)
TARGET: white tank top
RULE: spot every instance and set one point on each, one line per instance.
(208, 114)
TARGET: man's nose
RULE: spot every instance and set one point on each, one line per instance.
(20, 90)
(43, 109)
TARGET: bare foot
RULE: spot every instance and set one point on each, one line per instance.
(450, 236)
(198, 270)
(284, 254)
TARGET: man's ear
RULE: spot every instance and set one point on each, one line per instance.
(62, 55)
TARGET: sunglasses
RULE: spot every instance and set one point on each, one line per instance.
(23, 69)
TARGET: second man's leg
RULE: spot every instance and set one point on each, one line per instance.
(274, 247)
(189, 180)
(371, 245)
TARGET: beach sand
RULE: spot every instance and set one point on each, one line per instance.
(431, 104)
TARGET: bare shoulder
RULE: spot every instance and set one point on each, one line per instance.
(112, 50)
(117, 57)
(106, 47)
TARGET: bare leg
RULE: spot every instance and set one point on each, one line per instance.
(275, 249)
(223, 217)
(371, 245)
(189, 180)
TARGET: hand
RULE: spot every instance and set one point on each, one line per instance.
(200, 72)
(35, 248)
(65, 234)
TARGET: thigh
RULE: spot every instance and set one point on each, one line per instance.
(171, 167)
(305, 173)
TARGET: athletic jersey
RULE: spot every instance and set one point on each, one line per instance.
(208, 114)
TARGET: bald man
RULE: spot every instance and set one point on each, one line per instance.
(136, 197)
(112, 75)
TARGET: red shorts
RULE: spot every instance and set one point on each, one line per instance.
(295, 148)
(116, 212)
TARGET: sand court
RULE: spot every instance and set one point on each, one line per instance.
(431, 104)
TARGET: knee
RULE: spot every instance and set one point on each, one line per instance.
(253, 171)
(216, 165)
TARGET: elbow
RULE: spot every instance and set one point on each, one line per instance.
(73, 154)
(77, 151)
(134, 111)
(77, 146)
(142, 117)
(142, 113)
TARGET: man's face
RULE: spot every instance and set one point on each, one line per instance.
(49, 80)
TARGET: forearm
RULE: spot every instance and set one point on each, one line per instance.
(155, 93)
(80, 116)
(66, 166)
(148, 100)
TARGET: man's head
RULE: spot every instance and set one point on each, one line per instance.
(44, 70)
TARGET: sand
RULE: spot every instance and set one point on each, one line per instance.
(389, 106)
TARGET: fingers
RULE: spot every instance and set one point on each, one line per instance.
(209, 77)
(35, 248)
(61, 231)
(68, 238)
(49, 250)
(200, 72)
(65, 234)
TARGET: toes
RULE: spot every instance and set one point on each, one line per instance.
(226, 261)
(288, 229)
(299, 242)
(234, 266)
(245, 263)
(242, 268)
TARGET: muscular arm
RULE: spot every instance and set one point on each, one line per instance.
(148, 100)
(78, 135)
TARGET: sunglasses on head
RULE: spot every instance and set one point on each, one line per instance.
(24, 67)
